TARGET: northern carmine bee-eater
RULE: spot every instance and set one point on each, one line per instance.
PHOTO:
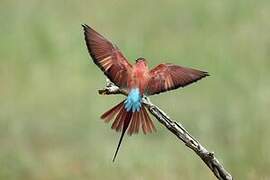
(130, 115)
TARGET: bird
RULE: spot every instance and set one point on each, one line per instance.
(138, 80)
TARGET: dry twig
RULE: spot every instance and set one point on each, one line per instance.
(177, 129)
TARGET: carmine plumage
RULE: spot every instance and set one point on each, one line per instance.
(131, 115)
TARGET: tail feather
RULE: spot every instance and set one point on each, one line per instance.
(132, 121)
(108, 115)
(122, 120)
(144, 126)
(151, 123)
(137, 125)
(148, 121)
(117, 120)
(127, 117)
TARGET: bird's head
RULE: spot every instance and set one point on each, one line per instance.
(141, 62)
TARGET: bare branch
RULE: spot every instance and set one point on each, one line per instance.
(177, 129)
(111, 89)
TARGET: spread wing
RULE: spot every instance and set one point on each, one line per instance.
(107, 57)
(165, 77)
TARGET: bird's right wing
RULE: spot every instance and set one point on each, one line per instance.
(107, 57)
(165, 77)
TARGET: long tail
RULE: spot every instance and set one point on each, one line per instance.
(127, 116)
(132, 121)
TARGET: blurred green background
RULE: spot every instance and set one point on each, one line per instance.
(49, 106)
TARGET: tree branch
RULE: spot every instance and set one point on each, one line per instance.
(177, 129)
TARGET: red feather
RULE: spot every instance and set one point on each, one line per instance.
(107, 57)
(128, 120)
(166, 77)
(139, 119)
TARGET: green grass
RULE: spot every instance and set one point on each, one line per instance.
(49, 106)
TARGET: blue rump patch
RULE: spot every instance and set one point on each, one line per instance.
(133, 101)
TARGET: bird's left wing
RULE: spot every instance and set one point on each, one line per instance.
(165, 77)
(107, 57)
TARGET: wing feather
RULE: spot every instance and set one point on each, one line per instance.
(107, 57)
(165, 77)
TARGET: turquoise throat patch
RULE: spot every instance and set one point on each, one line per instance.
(133, 101)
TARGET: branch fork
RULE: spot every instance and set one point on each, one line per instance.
(177, 129)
